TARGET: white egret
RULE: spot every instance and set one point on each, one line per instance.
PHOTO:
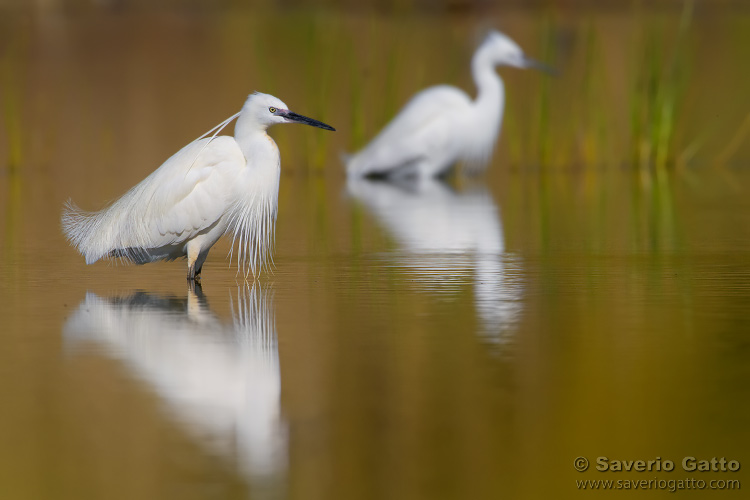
(212, 186)
(442, 125)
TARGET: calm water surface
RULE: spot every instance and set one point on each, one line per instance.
(435, 340)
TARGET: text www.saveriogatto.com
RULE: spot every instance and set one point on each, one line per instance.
(721, 466)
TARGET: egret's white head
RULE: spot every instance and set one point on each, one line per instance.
(500, 49)
(263, 110)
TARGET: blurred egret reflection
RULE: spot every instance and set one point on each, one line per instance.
(445, 235)
(221, 380)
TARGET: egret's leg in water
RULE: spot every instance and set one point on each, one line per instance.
(195, 291)
(193, 253)
(199, 264)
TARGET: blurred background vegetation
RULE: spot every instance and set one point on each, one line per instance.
(643, 85)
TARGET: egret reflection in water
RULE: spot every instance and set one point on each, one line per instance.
(221, 380)
(446, 237)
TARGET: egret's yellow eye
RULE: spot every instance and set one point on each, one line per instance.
(272, 109)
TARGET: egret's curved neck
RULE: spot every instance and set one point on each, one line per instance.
(488, 110)
(490, 90)
(249, 133)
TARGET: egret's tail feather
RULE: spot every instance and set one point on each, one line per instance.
(91, 234)
(345, 157)
(78, 226)
(133, 255)
(476, 166)
(356, 166)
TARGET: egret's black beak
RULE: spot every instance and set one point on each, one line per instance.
(533, 63)
(294, 117)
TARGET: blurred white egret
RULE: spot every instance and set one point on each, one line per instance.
(442, 125)
(212, 186)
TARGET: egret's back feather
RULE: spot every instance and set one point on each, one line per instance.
(156, 217)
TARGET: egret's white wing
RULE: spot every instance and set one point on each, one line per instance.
(194, 189)
(419, 112)
(187, 194)
(422, 126)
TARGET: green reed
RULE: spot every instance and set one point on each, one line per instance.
(592, 131)
(544, 135)
(390, 93)
(357, 112)
(660, 81)
(734, 143)
(319, 65)
(588, 117)
(357, 131)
